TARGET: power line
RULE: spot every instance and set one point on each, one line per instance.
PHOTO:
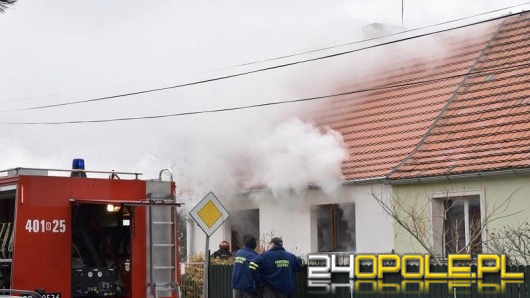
(324, 48)
(257, 70)
(363, 41)
(421, 82)
(320, 49)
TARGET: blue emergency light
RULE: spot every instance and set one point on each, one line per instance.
(79, 165)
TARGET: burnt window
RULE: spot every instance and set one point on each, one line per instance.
(244, 223)
(335, 227)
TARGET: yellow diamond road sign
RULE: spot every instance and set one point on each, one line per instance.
(209, 214)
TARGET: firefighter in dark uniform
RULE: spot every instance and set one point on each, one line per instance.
(277, 270)
(243, 283)
(223, 252)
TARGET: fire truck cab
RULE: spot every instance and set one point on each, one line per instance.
(63, 234)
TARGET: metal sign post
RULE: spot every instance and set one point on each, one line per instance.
(206, 266)
(209, 214)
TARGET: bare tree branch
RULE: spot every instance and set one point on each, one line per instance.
(418, 222)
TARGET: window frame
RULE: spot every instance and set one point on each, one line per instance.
(436, 211)
(331, 209)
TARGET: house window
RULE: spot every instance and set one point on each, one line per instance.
(459, 224)
(244, 223)
(335, 227)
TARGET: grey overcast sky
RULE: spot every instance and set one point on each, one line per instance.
(58, 51)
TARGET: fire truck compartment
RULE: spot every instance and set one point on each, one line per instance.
(79, 236)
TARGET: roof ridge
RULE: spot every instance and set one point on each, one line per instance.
(449, 101)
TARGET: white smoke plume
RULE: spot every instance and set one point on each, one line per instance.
(284, 157)
(297, 154)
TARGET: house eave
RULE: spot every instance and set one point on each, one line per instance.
(415, 180)
(372, 180)
(462, 176)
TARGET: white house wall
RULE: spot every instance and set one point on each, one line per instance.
(289, 215)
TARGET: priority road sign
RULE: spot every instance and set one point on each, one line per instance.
(209, 214)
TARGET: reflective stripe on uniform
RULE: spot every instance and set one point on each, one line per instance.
(253, 266)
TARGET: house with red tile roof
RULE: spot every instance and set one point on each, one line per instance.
(471, 168)
(443, 135)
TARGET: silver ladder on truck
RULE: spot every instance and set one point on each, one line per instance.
(163, 236)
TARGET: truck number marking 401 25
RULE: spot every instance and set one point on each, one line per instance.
(42, 226)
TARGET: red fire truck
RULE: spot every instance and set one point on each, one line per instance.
(63, 234)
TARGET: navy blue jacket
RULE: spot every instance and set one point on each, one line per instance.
(278, 270)
(242, 278)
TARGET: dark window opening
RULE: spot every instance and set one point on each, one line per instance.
(244, 223)
(335, 227)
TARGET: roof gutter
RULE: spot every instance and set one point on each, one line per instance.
(510, 172)
(386, 180)
(381, 179)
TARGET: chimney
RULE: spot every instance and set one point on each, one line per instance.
(378, 29)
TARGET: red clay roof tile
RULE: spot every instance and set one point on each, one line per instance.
(486, 126)
(457, 124)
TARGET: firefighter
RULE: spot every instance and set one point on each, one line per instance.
(223, 252)
(277, 270)
(243, 283)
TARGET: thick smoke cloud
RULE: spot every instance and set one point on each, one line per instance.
(297, 154)
(283, 156)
